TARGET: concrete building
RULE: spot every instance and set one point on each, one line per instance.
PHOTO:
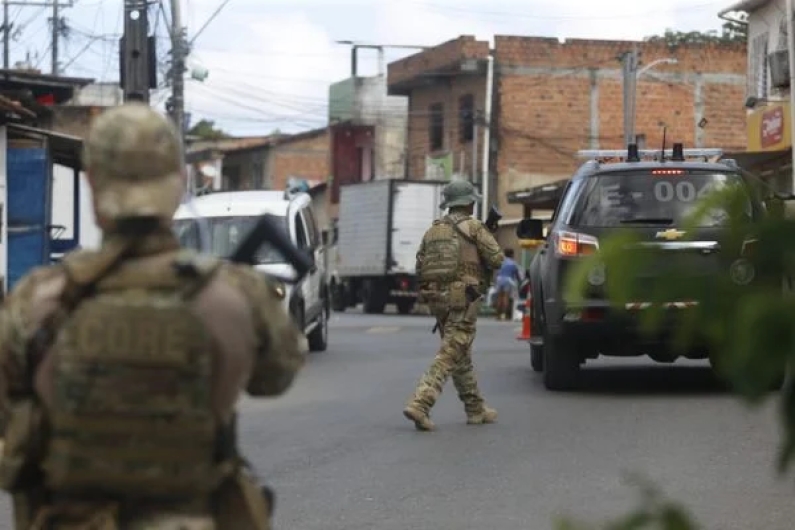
(368, 132)
(551, 99)
(768, 128)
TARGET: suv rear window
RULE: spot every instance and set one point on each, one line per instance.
(637, 198)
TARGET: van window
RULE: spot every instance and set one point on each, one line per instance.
(224, 234)
(300, 231)
(311, 226)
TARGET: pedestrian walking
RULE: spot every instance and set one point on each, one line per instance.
(507, 286)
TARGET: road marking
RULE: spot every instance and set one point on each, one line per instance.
(383, 329)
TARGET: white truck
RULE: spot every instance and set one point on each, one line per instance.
(380, 226)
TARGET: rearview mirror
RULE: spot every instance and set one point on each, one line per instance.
(530, 229)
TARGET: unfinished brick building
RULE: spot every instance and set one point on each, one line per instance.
(551, 99)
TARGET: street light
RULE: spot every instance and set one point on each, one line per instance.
(638, 73)
(668, 60)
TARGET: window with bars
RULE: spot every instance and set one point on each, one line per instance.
(466, 118)
(758, 80)
(436, 126)
(783, 34)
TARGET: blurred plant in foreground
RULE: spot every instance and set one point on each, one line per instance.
(653, 511)
(745, 313)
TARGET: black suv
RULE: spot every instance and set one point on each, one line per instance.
(652, 197)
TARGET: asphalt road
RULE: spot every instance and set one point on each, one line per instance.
(341, 456)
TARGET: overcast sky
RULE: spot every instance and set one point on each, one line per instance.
(270, 61)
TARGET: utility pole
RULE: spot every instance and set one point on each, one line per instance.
(56, 29)
(137, 59)
(790, 47)
(6, 36)
(629, 71)
(179, 53)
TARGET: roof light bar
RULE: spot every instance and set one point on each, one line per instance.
(647, 153)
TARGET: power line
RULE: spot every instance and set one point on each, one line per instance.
(207, 23)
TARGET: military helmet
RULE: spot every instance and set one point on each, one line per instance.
(133, 156)
(459, 193)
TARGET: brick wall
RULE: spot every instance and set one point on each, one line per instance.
(442, 56)
(303, 155)
(419, 125)
(552, 99)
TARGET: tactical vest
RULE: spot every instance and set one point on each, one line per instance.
(132, 375)
(451, 254)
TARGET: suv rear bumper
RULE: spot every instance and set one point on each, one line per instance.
(598, 327)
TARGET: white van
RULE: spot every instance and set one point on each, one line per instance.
(229, 216)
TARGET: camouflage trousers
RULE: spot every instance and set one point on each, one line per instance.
(453, 359)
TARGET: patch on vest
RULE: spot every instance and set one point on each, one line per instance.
(138, 335)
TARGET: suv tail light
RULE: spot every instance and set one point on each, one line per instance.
(572, 244)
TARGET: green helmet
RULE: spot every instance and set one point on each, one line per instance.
(459, 193)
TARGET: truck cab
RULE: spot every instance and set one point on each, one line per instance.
(216, 223)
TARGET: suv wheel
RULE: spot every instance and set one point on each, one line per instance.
(318, 339)
(536, 352)
(561, 364)
(537, 358)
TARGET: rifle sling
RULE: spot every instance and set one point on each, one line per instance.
(79, 284)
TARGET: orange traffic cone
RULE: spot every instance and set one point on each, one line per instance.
(526, 326)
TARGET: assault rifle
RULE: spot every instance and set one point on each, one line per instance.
(269, 230)
(493, 219)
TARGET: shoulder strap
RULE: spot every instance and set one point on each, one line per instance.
(457, 228)
(82, 271)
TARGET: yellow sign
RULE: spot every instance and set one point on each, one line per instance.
(670, 234)
(530, 243)
(769, 129)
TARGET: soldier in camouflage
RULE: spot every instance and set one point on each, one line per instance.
(454, 262)
(120, 368)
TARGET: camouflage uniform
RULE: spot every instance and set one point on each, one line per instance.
(125, 418)
(477, 254)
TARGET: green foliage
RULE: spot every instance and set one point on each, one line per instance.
(654, 512)
(730, 32)
(205, 129)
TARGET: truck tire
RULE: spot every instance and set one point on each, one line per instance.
(374, 297)
(339, 301)
(405, 305)
(561, 364)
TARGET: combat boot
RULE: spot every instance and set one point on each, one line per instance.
(421, 420)
(487, 415)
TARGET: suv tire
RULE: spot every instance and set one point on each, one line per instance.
(561, 364)
(537, 358)
(318, 338)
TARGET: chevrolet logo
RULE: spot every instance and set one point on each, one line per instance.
(670, 234)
